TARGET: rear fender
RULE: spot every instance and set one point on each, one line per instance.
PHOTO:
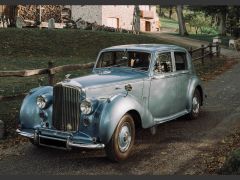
(195, 82)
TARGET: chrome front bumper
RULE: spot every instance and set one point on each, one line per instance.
(68, 140)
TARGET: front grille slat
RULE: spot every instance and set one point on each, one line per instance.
(66, 107)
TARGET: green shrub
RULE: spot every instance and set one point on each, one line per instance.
(232, 165)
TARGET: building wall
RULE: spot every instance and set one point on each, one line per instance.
(87, 13)
(118, 16)
(8, 11)
(153, 22)
(123, 13)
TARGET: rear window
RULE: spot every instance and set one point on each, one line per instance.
(181, 61)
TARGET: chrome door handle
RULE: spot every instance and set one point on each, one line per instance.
(170, 75)
(158, 77)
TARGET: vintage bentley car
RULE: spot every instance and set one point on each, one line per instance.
(131, 86)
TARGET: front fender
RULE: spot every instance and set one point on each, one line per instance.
(113, 110)
(29, 112)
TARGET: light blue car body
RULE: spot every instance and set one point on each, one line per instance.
(154, 99)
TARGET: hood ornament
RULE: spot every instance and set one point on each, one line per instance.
(67, 77)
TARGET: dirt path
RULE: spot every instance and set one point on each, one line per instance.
(192, 43)
(179, 147)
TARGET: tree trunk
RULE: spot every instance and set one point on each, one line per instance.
(170, 12)
(216, 20)
(181, 22)
(160, 11)
(222, 24)
(212, 21)
(136, 19)
(196, 30)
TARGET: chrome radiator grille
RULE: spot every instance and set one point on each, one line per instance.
(66, 108)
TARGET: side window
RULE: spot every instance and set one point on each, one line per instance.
(163, 63)
(181, 61)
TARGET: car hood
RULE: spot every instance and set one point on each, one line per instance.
(107, 77)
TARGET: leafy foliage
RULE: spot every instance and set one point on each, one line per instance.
(232, 165)
(199, 21)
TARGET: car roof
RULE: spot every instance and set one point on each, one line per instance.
(146, 47)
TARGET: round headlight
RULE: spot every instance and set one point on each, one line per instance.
(86, 107)
(41, 102)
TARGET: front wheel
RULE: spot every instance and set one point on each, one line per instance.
(196, 104)
(34, 143)
(121, 143)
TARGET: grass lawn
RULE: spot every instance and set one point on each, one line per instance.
(168, 23)
(34, 48)
(173, 24)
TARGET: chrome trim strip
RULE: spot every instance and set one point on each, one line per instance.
(52, 138)
(26, 134)
(88, 146)
(69, 143)
(54, 147)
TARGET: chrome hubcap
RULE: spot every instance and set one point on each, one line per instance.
(124, 138)
(196, 105)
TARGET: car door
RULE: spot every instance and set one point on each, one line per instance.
(163, 89)
(182, 76)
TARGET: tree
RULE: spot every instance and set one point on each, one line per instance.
(181, 21)
(136, 19)
(198, 20)
(218, 11)
(165, 11)
(170, 12)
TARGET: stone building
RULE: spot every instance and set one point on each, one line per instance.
(117, 16)
(8, 12)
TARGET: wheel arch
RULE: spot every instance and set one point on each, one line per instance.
(195, 84)
(114, 110)
(199, 88)
(136, 118)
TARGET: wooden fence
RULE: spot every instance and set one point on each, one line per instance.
(205, 51)
(51, 70)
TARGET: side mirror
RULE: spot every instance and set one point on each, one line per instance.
(128, 87)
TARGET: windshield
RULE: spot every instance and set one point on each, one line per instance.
(130, 59)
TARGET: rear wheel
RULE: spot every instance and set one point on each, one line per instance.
(196, 104)
(121, 143)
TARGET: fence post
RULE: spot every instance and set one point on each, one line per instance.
(1, 129)
(50, 76)
(210, 51)
(217, 49)
(202, 50)
(190, 51)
